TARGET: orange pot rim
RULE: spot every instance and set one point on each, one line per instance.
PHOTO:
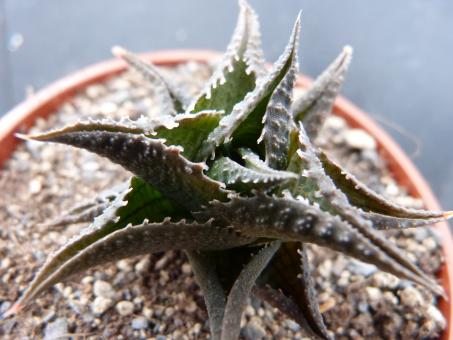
(47, 100)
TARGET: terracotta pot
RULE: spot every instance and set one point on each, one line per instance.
(50, 98)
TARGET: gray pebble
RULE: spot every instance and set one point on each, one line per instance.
(253, 331)
(359, 139)
(292, 325)
(125, 308)
(4, 306)
(363, 307)
(361, 268)
(139, 322)
(436, 315)
(100, 305)
(103, 289)
(411, 297)
(56, 330)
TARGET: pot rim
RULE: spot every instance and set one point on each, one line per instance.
(47, 100)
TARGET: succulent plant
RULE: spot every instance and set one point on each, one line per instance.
(233, 178)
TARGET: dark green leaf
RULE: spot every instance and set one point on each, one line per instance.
(150, 159)
(245, 121)
(239, 68)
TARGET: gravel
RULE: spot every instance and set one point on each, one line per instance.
(156, 296)
(125, 308)
(56, 330)
(103, 289)
(139, 323)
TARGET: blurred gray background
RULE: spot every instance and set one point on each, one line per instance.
(402, 71)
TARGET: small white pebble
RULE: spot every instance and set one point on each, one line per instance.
(411, 297)
(125, 308)
(359, 139)
(385, 280)
(169, 311)
(190, 307)
(5, 263)
(335, 123)
(142, 265)
(103, 289)
(34, 186)
(87, 280)
(186, 268)
(249, 311)
(374, 294)
(161, 263)
(139, 323)
(430, 243)
(124, 265)
(100, 305)
(392, 189)
(437, 316)
(108, 108)
(147, 312)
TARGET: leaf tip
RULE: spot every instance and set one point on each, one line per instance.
(119, 51)
(347, 52)
(13, 310)
(24, 136)
(37, 137)
(448, 214)
(299, 14)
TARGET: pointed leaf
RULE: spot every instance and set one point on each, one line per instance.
(237, 298)
(239, 68)
(288, 219)
(138, 202)
(319, 188)
(143, 125)
(244, 122)
(278, 120)
(253, 161)
(87, 211)
(286, 305)
(87, 215)
(170, 97)
(363, 197)
(315, 105)
(253, 54)
(132, 241)
(150, 159)
(384, 222)
(289, 272)
(216, 271)
(242, 179)
(205, 271)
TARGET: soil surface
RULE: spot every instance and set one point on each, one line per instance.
(156, 296)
